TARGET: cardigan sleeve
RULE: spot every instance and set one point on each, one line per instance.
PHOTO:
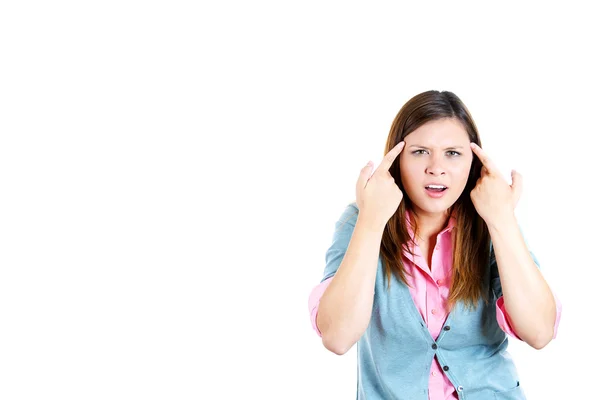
(342, 234)
(334, 255)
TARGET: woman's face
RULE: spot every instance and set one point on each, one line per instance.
(437, 153)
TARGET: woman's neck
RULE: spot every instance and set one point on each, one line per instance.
(429, 225)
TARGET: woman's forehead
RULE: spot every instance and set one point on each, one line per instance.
(438, 133)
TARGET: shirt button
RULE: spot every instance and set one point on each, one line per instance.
(433, 311)
(439, 281)
(446, 368)
(434, 373)
(434, 346)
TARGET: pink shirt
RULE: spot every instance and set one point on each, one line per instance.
(429, 289)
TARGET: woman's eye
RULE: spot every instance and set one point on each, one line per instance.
(450, 152)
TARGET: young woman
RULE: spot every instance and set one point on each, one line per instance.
(428, 271)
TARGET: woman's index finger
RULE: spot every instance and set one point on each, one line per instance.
(389, 158)
(485, 159)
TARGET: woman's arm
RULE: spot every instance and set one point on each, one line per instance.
(345, 308)
(528, 300)
(502, 317)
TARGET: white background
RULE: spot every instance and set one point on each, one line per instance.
(171, 172)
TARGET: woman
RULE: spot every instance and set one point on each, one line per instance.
(428, 271)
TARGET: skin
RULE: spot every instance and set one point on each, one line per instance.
(528, 300)
(440, 151)
(345, 307)
(437, 151)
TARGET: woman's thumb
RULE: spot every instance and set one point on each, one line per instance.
(365, 174)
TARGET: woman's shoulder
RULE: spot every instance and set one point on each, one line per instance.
(349, 215)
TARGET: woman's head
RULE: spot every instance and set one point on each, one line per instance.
(437, 129)
(435, 165)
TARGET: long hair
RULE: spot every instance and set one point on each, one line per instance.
(470, 236)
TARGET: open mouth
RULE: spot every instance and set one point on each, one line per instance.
(436, 188)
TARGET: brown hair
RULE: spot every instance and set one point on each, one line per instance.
(470, 236)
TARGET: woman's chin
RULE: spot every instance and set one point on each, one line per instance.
(433, 206)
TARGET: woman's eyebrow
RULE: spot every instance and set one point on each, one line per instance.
(427, 148)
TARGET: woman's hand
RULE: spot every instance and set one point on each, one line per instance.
(378, 196)
(493, 198)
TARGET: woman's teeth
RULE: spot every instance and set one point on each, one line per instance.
(438, 188)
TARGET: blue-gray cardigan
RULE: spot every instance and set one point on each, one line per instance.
(396, 351)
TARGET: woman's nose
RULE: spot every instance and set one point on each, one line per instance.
(435, 168)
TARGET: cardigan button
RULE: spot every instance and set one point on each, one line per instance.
(446, 368)
(434, 346)
(459, 389)
(446, 328)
